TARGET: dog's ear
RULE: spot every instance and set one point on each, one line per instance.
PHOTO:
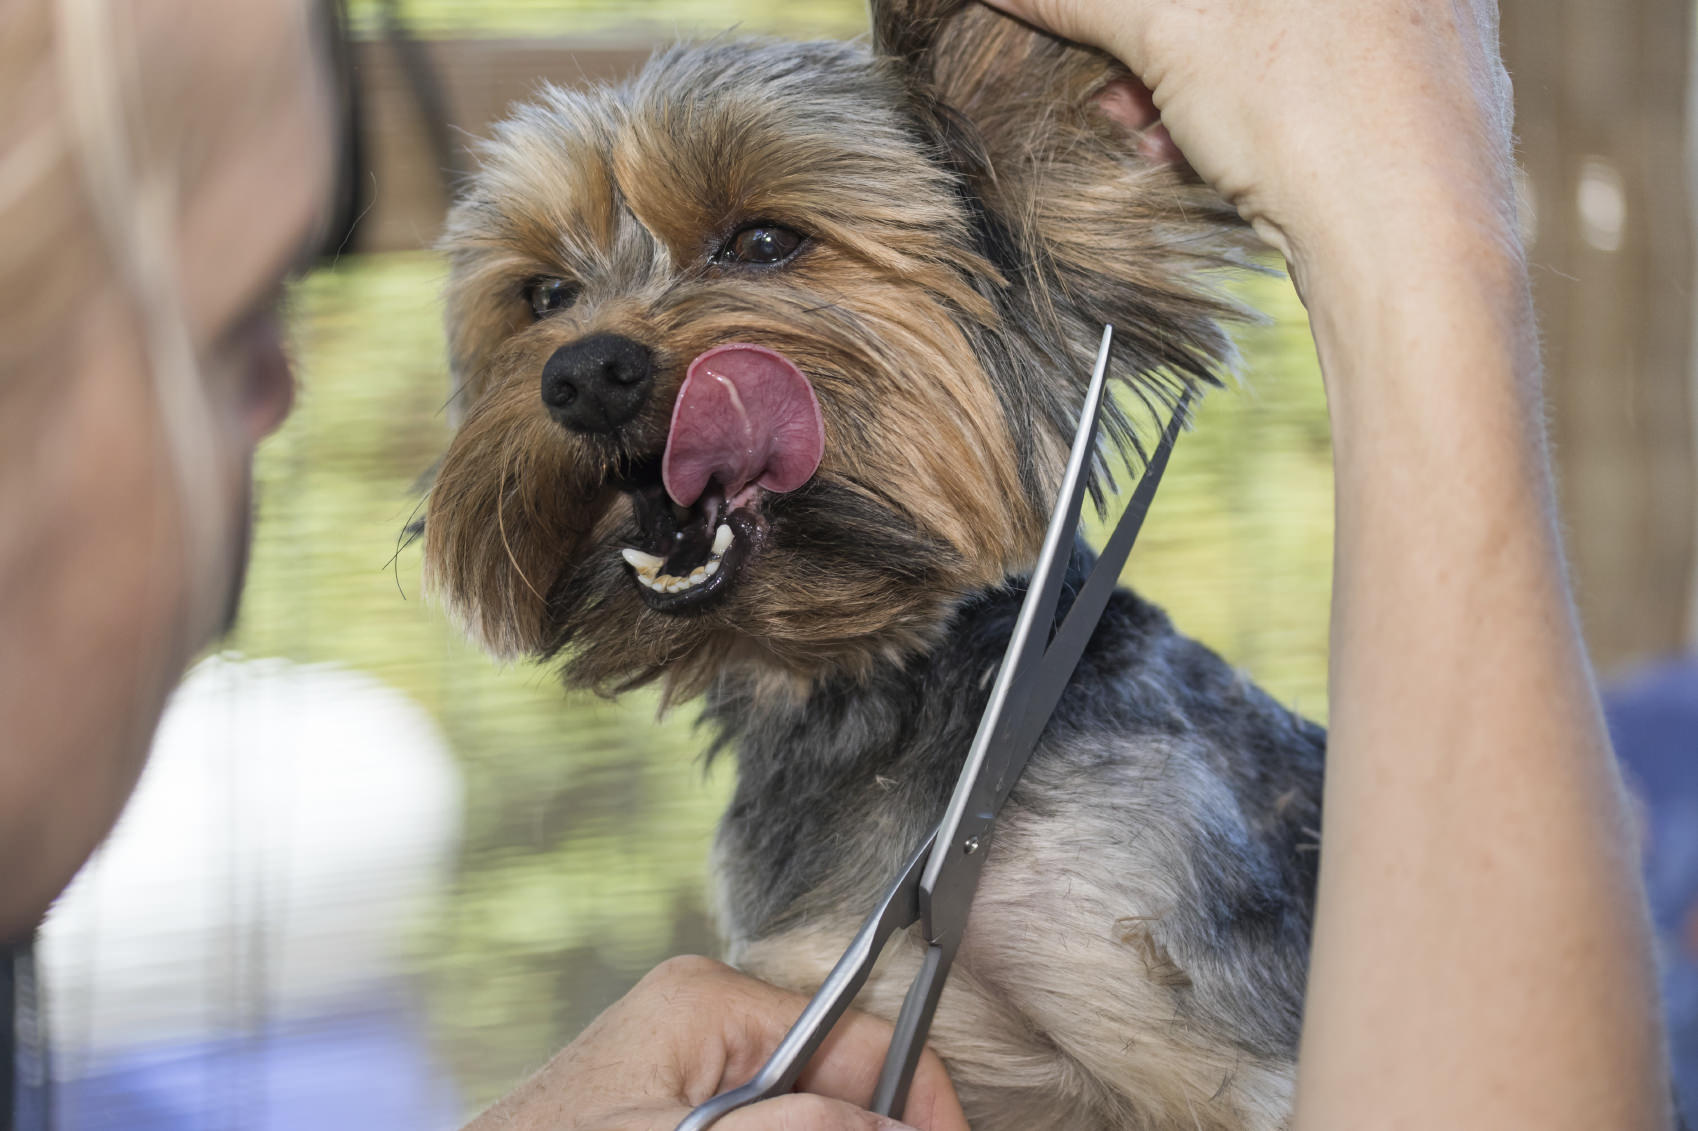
(904, 29)
(1051, 138)
(1006, 77)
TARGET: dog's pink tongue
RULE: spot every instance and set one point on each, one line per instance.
(744, 415)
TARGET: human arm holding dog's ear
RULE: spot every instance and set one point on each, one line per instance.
(1481, 956)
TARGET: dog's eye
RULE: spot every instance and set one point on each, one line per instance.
(549, 295)
(761, 244)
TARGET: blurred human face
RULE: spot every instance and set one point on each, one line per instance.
(98, 599)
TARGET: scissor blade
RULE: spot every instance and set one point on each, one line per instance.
(1043, 591)
(1071, 639)
(908, 1040)
(988, 757)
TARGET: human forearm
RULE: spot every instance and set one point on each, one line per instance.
(1469, 776)
(1480, 950)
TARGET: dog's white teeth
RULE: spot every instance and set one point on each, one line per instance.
(648, 566)
(641, 562)
(667, 583)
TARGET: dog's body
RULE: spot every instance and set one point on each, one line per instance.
(812, 325)
(1136, 953)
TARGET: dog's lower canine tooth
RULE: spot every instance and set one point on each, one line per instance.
(722, 539)
(641, 562)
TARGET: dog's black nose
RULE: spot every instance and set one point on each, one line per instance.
(597, 383)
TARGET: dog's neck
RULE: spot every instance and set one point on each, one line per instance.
(863, 767)
(835, 792)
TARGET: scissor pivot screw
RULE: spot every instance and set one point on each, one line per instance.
(970, 845)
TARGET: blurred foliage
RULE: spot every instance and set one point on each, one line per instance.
(587, 827)
(624, 20)
(1238, 545)
(589, 823)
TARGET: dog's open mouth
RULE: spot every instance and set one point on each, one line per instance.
(687, 556)
(746, 425)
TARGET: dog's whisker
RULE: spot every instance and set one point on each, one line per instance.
(452, 397)
(501, 526)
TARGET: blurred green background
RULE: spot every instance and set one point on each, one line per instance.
(589, 822)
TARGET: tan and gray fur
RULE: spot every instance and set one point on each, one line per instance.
(972, 216)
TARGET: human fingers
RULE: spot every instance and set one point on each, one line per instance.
(804, 1112)
(639, 1066)
(797, 1112)
(693, 1028)
(1108, 24)
(847, 1066)
(1321, 120)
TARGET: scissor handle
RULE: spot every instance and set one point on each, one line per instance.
(899, 908)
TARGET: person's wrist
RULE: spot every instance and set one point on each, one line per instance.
(1413, 249)
(1418, 313)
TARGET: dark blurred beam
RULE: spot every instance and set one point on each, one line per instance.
(480, 78)
(1601, 100)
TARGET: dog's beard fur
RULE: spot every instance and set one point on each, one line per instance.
(973, 218)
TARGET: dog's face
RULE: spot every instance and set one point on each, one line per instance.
(773, 354)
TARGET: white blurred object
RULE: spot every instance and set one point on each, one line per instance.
(293, 824)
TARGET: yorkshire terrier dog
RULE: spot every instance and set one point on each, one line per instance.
(767, 363)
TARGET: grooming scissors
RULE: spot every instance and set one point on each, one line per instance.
(936, 887)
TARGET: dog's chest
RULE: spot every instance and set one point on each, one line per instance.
(1137, 945)
(1066, 1011)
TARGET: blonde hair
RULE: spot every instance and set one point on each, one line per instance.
(89, 207)
(45, 253)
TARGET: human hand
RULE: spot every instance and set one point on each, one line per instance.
(693, 1028)
(1322, 121)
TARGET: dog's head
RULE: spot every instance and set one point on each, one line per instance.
(773, 353)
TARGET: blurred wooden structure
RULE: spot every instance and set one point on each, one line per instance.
(480, 78)
(1601, 88)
